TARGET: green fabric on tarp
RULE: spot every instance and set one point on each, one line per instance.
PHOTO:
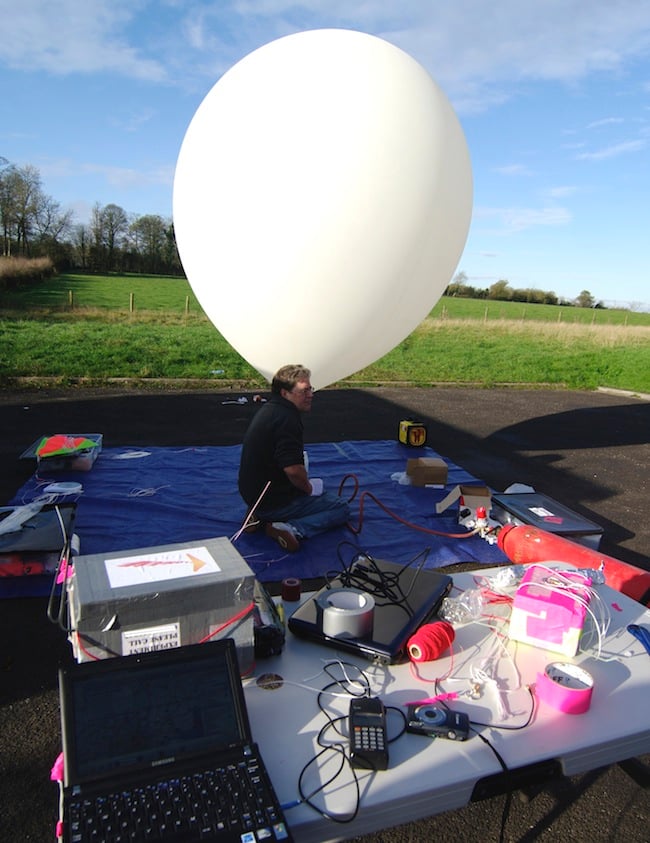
(63, 445)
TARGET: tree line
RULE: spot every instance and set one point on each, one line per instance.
(502, 291)
(33, 225)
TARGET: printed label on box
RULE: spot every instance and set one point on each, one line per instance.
(164, 637)
(541, 512)
(154, 567)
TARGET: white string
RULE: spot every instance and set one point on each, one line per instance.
(145, 493)
(336, 694)
(251, 513)
(479, 675)
(584, 596)
(304, 687)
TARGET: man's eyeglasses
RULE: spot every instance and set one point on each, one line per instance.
(305, 390)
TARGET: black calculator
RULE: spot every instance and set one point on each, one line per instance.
(368, 742)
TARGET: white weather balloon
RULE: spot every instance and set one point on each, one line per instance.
(322, 198)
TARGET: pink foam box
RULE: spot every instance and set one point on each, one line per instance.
(549, 609)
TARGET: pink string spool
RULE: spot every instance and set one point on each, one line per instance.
(430, 641)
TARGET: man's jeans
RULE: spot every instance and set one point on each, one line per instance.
(311, 514)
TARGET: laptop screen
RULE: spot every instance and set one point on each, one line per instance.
(137, 712)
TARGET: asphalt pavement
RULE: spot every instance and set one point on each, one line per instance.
(587, 450)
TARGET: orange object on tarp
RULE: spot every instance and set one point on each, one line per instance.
(523, 544)
(17, 565)
(62, 444)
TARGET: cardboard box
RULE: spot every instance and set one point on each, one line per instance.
(536, 510)
(468, 497)
(152, 598)
(427, 471)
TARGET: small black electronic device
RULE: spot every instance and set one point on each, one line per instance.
(268, 628)
(437, 722)
(368, 741)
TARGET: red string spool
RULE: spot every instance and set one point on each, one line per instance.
(291, 589)
(430, 641)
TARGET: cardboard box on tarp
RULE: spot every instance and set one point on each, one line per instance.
(427, 471)
(468, 497)
(77, 452)
(154, 598)
(537, 510)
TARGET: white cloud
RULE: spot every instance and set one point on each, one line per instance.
(122, 178)
(613, 151)
(134, 121)
(513, 170)
(74, 36)
(514, 220)
(478, 53)
(560, 192)
(606, 121)
(128, 177)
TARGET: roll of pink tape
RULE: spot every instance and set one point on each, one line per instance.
(565, 687)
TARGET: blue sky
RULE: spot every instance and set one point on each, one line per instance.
(553, 96)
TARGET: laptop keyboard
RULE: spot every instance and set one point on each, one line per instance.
(229, 802)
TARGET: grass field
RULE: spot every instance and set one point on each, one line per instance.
(161, 293)
(78, 327)
(104, 292)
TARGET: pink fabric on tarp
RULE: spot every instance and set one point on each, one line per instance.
(144, 497)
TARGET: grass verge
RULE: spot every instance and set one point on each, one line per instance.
(90, 348)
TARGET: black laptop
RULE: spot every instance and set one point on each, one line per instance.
(405, 597)
(158, 746)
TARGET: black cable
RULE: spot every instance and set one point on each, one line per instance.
(337, 748)
(386, 588)
(504, 767)
(346, 684)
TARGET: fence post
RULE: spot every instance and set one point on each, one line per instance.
(131, 302)
(71, 299)
(187, 305)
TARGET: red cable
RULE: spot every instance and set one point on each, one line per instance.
(84, 650)
(242, 614)
(367, 494)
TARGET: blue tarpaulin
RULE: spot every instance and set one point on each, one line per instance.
(146, 497)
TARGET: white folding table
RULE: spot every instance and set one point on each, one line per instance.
(428, 776)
